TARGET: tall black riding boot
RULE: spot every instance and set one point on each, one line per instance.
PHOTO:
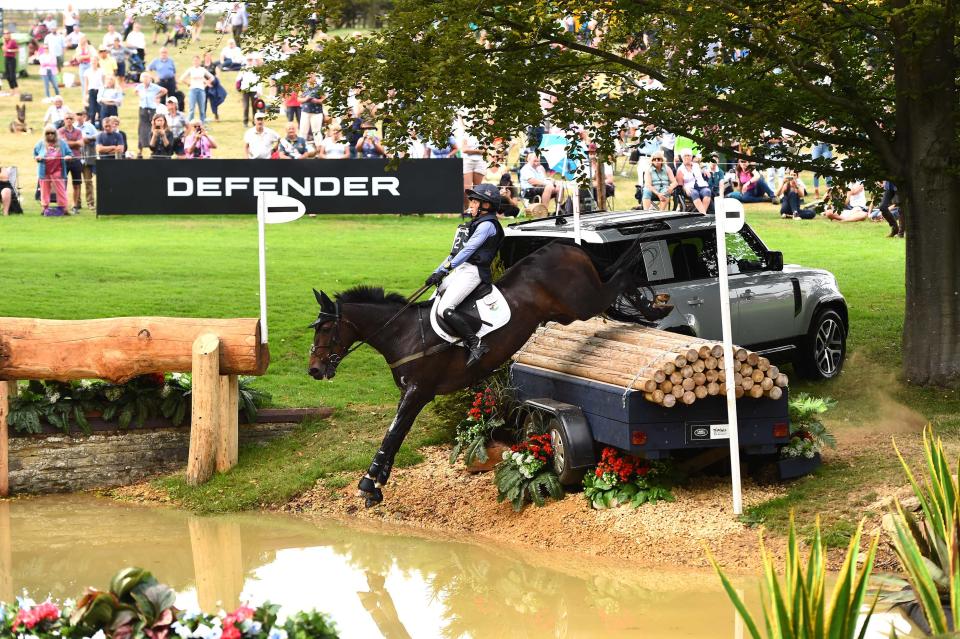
(461, 325)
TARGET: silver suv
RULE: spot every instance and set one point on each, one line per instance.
(786, 312)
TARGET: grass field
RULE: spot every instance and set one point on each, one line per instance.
(82, 267)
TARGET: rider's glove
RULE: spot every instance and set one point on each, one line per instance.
(435, 278)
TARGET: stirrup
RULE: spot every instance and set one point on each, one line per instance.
(476, 353)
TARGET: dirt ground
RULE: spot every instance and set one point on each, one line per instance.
(436, 499)
(434, 495)
(445, 500)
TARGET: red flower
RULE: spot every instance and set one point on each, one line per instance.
(33, 616)
(230, 631)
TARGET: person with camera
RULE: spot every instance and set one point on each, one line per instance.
(791, 192)
(199, 142)
(162, 141)
(369, 145)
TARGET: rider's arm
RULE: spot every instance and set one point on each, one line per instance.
(481, 235)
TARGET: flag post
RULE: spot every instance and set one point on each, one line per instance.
(272, 209)
(261, 217)
(729, 219)
(576, 212)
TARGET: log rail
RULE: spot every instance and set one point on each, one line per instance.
(121, 348)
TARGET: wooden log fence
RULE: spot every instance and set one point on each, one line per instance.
(118, 349)
(668, 368)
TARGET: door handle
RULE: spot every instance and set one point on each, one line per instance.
(696, 301)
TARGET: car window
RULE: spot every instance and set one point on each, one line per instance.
(744, 253)
(692, 257)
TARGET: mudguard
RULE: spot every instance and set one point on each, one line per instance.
(582, 454)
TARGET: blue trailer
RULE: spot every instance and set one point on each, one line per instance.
(582, 416)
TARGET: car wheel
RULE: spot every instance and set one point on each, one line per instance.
(824, 348)
(562, 454)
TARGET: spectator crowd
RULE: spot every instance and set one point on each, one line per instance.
(176, 105)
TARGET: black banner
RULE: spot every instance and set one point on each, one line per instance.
(192, 187)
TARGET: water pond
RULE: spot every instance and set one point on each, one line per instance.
(374, 583)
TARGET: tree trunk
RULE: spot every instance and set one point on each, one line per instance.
(929, 190)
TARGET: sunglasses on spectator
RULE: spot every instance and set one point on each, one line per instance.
(656, 160)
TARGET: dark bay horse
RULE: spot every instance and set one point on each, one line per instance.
(559, 282)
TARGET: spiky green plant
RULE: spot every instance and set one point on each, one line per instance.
(928, 548)
(798, 606)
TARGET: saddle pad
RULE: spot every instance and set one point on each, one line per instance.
(493, 310)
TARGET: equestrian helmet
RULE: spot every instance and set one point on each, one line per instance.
(485, 193)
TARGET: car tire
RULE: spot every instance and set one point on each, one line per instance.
(823, 350)
(561, 443)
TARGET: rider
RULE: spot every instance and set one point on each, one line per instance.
(469, 264)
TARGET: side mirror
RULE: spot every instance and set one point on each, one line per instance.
(775, 260)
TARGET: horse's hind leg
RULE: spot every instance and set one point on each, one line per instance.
(377, 475)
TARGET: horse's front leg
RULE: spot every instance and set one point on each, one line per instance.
(411, 404)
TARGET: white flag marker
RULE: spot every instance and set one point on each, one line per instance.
(729, 219)
(272, 209)
(576, 213)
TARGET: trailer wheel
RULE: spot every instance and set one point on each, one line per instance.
(562, 454)
(534, 423)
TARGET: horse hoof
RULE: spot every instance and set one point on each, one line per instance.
(367, 485)
(371, 498)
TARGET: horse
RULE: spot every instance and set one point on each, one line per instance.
(558, 282)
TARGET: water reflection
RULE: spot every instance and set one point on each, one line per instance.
(373, 583)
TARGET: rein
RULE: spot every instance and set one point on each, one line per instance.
(335, 359)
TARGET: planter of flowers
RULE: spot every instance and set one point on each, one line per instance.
(622, 479)
(474, 435)
(793, 467)
(526, 474)
(808, 437)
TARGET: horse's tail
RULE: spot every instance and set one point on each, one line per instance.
(624, 264)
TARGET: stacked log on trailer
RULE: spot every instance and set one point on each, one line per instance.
(668, 368)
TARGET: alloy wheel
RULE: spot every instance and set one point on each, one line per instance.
(828, 351)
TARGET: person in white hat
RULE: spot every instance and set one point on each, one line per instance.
(259, 142)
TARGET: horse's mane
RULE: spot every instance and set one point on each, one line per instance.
(369, 295)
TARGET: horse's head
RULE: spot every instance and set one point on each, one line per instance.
(332, 336)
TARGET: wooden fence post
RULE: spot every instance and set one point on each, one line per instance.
(205, 419)
(229, 423)
(7, 390)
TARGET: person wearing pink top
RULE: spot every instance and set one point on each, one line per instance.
(48, 70)
(753, 188)
(10, 51)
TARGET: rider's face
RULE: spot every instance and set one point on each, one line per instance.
(474, 206)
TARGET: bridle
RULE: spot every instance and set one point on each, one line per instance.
(337, 317)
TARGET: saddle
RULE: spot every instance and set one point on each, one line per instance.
(486, 309)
